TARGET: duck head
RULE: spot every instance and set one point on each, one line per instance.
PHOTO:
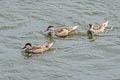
(91, 26)
(50, 28)
(27, 45)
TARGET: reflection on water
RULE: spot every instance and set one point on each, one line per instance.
(72, 58)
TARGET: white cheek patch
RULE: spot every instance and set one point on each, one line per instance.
(28, 47)
(51, 29)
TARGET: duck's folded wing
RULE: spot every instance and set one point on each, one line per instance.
(60, 29)
(62, 32)
(97, 27)
(36, 47)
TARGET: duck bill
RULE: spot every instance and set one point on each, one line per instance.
(24, 47)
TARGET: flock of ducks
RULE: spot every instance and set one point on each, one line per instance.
(62, 32)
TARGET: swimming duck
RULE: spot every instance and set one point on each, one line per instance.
(98, 29)
(60, 32)
(37, 49)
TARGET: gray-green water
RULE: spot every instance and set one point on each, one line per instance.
(74, 58)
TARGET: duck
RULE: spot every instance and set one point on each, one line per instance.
(29, 48)
(60, 32)
(100, 28)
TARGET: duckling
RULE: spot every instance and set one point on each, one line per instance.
(98, 29)
(37, 49)
(60, 32)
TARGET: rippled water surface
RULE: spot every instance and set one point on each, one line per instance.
(72, 58)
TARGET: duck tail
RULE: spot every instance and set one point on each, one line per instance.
(105, 24)
(75, 27)
(50, 44)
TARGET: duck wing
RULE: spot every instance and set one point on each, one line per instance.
(103, 25)
(61, 32)
(61, 29)
(37, 49)
(97, 27)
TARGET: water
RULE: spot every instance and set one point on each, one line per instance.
(74, 58)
